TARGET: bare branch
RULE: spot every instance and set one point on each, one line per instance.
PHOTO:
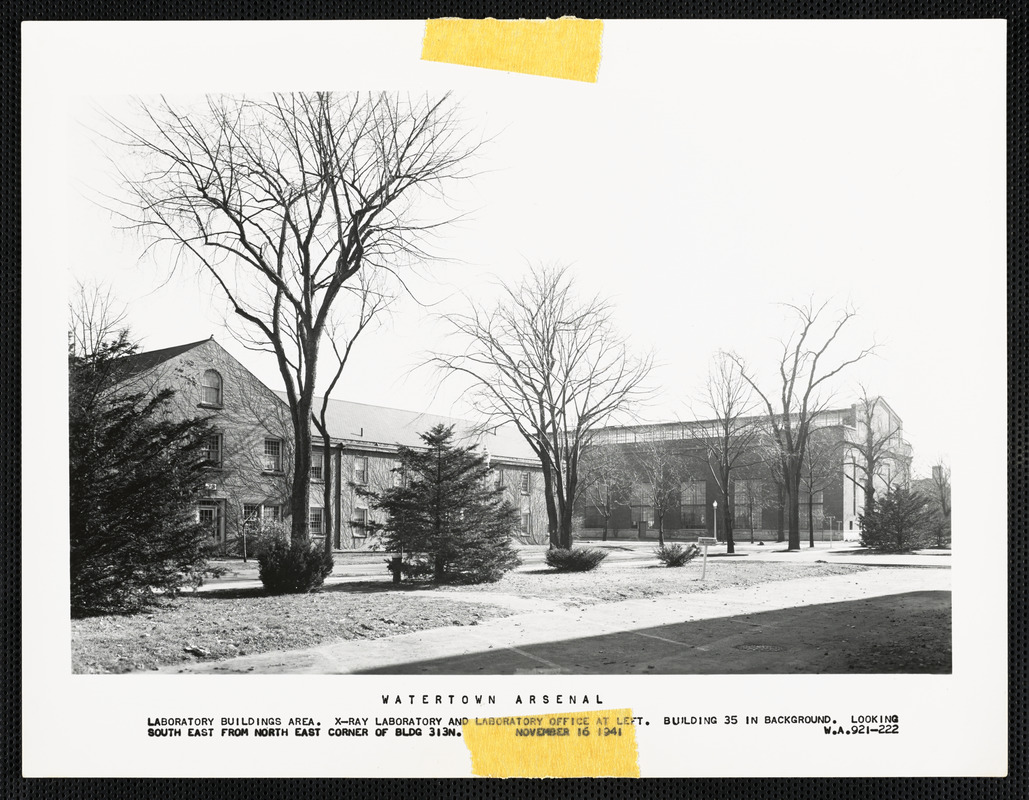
(553, 366)
(290, 204)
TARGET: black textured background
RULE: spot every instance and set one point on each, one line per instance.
(11, 783)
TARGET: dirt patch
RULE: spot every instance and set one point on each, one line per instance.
(214, 626)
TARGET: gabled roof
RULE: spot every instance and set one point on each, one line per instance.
(141, 362)
(360, 423)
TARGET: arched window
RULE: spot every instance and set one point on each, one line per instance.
(211, 389)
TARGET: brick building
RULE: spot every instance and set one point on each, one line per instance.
(831, 495)
(363, 454)
(251, 449)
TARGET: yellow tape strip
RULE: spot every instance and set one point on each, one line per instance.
(556, 48)
(568, 744)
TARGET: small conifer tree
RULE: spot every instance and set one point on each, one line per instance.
(446, 519)
(897, 521)
(135, 474)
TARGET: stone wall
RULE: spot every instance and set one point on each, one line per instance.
(248, 414)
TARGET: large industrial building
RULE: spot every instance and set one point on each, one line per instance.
(629, 505)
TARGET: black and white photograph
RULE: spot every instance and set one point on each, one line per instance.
(403, 393)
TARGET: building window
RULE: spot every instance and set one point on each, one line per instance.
(251, 516)
(641, 505)
(526, 482)
(360, 523)
(598, 506)
(210, 516)
(211, 449)
(273, 455)
(211, 388)
(397, 475)
(315, 521)
(811, 510)
(255, 513)
(361, 469)
(317, 463)
(693, 504)
(526, 521)
(746, 503)
(500, 478)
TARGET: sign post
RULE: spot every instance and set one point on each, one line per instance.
(705, 542)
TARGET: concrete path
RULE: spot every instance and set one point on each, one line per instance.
(568, 640)
(363, 569)
(847, 553)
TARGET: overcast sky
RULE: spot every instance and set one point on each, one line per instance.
(715, 170)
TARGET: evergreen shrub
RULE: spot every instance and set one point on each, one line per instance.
(293, 567)
(447, 515)
(675, 555)
(136, 474)
(899, 521)
(575, 559)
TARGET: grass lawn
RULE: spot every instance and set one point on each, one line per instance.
(218, 625)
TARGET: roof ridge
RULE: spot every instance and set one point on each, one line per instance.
(179, 348)
(386, 408)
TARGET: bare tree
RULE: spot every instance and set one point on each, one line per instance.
(95, 317)
(727, 431)
(750, 496)
(941, 480)
(370, 298)
(281, 201)
(656, 465)
(801, 395)
(874, 448)
(823, 463)
(767, 450)
(941, 484)
(554, 367)
(604, 476)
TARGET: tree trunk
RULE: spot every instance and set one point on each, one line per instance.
(780, 535)
(327, 515)
(793, 510)
(871, 467)
(869, 492)
(730, 544)
(548, 493)
(566, 526)
(661, 530)
(299, 502)
(568, 504)
(810, 519)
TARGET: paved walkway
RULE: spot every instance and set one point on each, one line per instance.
(349, 569)
(570, 640)
(847, 553)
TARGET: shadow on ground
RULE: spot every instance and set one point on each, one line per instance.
(372, 586)
(901, 633)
